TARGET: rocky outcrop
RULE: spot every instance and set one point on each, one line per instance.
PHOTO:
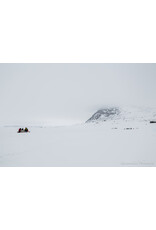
(105, 114)
(128, 114)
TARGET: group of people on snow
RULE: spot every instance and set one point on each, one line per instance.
(21, 130)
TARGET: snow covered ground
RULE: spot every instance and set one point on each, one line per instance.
(109, 143)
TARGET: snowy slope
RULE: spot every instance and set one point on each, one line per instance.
(119, 114)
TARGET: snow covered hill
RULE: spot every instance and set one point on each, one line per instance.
(118, 114)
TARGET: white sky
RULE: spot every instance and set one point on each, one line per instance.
(70, 93)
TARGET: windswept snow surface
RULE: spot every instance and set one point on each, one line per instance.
(111, 143)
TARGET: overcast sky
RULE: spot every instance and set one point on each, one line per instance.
(70, 93)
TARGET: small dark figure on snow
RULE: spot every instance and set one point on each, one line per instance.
(19, 131)
(26, 130)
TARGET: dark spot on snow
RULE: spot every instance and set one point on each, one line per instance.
(128, 128)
